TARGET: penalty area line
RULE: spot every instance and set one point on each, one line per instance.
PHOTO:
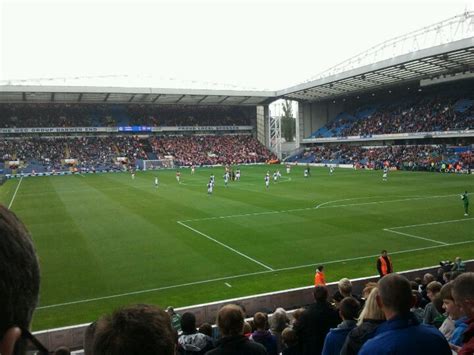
(241, 276)
(14, 194)
(226, 246)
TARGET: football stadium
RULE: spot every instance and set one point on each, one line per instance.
(197, 198)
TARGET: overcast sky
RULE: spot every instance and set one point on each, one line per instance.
(254, 44)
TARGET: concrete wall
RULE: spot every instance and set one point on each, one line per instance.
(315, 115)
(72, 337)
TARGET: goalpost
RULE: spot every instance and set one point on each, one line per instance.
(158, 164)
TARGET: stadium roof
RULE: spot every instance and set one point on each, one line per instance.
(131, 95)
(448, 59)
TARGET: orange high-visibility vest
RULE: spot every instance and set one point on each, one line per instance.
(319, 279)
(384, 266)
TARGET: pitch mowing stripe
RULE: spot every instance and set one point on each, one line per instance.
(241, 275)
(415, 236)
(317, 207)
(226, 246)
(14, 195)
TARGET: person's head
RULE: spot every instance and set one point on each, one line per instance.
(260, 320)
(279, 320)
(383, 252)
(457, 260)
(433, 289)
(297, 314)
(19, 279)
(170, 310)
(288, 336)
(463, 293)
(89, 338)
(371, 309)
(395, 296)
(369, 286)
(134, 330)
(417, 298)
(345, 287)
(206, 329)
(427, 278)
(349, 308)
(247, 328)
(449, 305)
(320, 294)
(188, 323)
(320, 268)
(230, 320)
(418, 280)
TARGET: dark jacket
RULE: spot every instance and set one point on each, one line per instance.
(359, 335)
(267, 339)
(336, 337)
(237, 345)
(313, 325)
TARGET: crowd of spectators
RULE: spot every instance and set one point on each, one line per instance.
(427, 114)
(102, 115)
(89, 153)
(407, 157)
(210, 150)
(433, 315)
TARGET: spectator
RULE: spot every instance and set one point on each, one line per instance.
(416, 309)
(262, 335)
(432, 290)
(384, 264)
(369, 319)
(348, 311)
(344, 289)
(206, 329)
(319, 279)
(463, 294)
(315, 322)
(290, 342)
(175, 319)
(278, 322)
(458, 265)
(401, 333)
(190, 342)
(19, 280)
(135, 330)
(455, 317)
(230, 321)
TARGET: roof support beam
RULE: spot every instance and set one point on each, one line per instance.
(106, 97)
(23, 96)
(156, 98)
(131, 99)
(221, 101)
(80, 97)
(203, 98)
(241, 102)
(180, 99)
(52, 96)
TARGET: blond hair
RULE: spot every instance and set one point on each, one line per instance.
(371, 309)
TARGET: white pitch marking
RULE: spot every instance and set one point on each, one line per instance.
(414, 236)
(311, 208)
(228, 285)
(241, 275)
(432, 223)
(226, 246)
(14, 194)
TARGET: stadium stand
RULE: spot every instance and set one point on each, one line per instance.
(422, 113)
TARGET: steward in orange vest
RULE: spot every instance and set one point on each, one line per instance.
(319, 279)
(384, 264)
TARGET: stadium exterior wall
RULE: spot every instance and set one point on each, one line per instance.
(73, 336)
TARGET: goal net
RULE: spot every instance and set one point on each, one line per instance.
(158, 164)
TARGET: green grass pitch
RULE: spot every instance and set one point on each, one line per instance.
(106, 240)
